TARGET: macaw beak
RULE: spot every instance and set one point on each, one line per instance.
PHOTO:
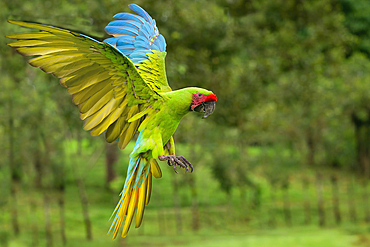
(206, 107)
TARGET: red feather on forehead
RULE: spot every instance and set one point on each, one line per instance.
(211, 97)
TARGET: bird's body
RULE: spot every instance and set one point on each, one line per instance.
(121, 88)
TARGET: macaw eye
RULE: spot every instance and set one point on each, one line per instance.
(199, 95)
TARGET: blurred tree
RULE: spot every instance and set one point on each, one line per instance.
(291, 76)
(358, 23)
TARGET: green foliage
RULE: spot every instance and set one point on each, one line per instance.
(292, 78)
(358, 23)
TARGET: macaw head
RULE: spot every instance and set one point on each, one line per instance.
(204, 101)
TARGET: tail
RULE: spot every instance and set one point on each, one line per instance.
(135, 194)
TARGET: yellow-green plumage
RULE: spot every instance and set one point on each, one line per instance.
(118, 95)
(85, 69)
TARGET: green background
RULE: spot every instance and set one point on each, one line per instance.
(283, 161)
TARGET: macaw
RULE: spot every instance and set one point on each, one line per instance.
(121, 88)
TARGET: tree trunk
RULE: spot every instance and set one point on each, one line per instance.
(14, 208)
(111, 157)
(362, 135)
(335, 193)
(366, 199)
(15, 173)
(287, 213)
(62, 216)
(351, 202)
(176, 203)
(37, 163)
(34, 227)
(194, 197)
(85, 208)
(320, 199)
(306, 200)
(311, 148)
(48, 230)
(272, 220)
(82, 194)
(59, 184)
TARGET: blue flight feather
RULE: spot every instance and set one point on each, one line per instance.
(125, 40)
(114, 30)
(125, 46)
(112, 41)
(132, 24)
(140, 11)
(129, 16)
(126, 52)
(137, 55)
(139, 31)
(142, 44)
(145, 32)
(154, 47)
(149, 30)
(161, 43)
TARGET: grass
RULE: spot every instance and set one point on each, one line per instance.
(308, 236)
(225, 220)
(216, 230)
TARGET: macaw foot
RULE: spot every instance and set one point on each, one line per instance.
(177, 161)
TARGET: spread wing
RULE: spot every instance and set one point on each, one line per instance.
(105, 84)
(137, 37)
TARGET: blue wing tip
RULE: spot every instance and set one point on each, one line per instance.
(142, 30)
(136, 8)
(133, 5)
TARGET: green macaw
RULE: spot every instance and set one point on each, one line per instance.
(121, 88)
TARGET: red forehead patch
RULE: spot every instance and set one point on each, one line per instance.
(211, 97)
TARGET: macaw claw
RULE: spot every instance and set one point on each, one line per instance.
(174, 161)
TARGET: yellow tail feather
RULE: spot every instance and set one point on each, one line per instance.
(141, 203)
(135, 196)
(130, 212)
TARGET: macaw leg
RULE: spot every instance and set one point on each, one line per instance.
(177, 160)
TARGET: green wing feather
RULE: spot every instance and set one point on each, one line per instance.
(153, 71)
(105, 84)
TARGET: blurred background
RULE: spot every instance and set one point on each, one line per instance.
(283, 161)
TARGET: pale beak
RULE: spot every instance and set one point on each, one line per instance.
(207, 107)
